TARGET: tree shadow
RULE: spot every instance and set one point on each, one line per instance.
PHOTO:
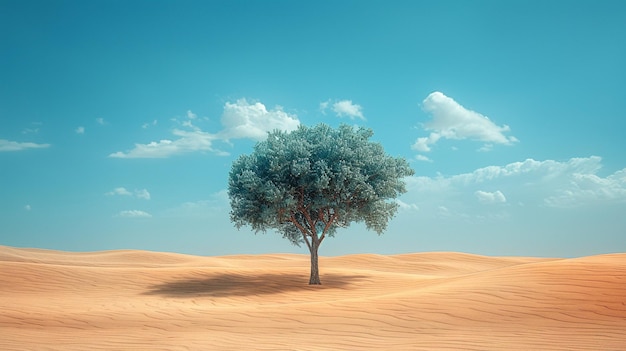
(230, 284)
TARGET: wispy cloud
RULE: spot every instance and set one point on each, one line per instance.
(34, 128)
(188, 141)
(403, 206)
(140, 194)
(324, 106)
(450, 120)
(80, 130)
(216, 204)
(239, 120)
(133, 214)
(101, 121)
(423, 158)
(8, 145)
(147, 125)
(343, 108)
(27, 207)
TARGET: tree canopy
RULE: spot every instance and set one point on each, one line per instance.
(311, 181)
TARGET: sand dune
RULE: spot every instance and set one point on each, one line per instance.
(134, 300)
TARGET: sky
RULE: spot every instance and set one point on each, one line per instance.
(119, 120)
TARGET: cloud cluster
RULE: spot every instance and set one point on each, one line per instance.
(589, 187)
(253, 120)
(137, 193)
(541, 184)
(343, 108)
(8, 145)
(140, 194)
(450, 120)
(240, 120)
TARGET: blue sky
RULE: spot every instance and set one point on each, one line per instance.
(119, 120)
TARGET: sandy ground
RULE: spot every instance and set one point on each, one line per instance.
(135, 300)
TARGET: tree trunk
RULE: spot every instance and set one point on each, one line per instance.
(315, 271)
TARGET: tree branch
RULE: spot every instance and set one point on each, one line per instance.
(298, 225)
(327, 226)
(302, 229)
(310, 222)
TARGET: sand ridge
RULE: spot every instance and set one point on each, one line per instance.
(138, 300)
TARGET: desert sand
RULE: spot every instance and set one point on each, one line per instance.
(137, 300)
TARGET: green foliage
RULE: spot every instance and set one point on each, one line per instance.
(309, 182)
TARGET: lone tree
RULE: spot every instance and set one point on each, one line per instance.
(309, 182)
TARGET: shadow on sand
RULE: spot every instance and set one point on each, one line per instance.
(230, 284)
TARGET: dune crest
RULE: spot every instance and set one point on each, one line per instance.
(127, 300)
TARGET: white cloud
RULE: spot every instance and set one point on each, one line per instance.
(421, 144)
(133, 214)
(537, 171)
(549, 183)
(486, 148)
(239, 120)
(188, 141)
(347, 108)
(343, 108)
(244, 120)
(80, 130)
(119, 191)
(549, 205)
(140, 194)
(423, 158)
(27, 207)
(486, 197)
(100, 121)
(160, 149)
(453, 121)
(7, 145)
(589, 187)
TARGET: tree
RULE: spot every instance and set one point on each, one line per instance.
(311, 181)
